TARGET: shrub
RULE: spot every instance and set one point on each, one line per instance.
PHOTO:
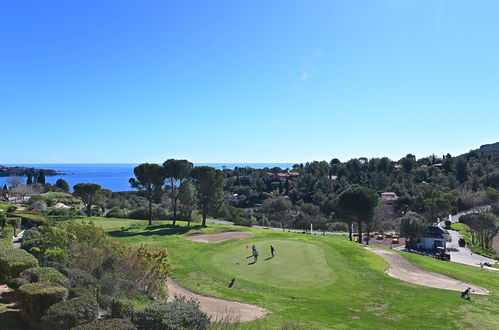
(242, 221)
(31, 233)
(36, 298)
(72, 312)
(78, 292)
(14, 261)
(15, 283)
(122, 308)
(105, 301)
(337, 226)
(116, 212)
(109, 324)
(158, 213)
(178, 314)
(45, 274)
(80, 278)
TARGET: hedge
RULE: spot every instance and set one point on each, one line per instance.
(36, 298)
(14, 261)
(78, 292)
(72, 312)
(178, 314)
(109, 324)
(45, 274)
(15, 283)
(80, 278)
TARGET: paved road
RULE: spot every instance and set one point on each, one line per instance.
(464, 255)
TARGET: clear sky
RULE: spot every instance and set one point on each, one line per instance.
(246, 81)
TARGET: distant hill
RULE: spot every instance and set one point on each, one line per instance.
(494, 147)
(22, 171)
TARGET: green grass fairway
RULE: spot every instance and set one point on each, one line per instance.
(295, 264)
(317, 282)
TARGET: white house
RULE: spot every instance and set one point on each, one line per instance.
(433, 237)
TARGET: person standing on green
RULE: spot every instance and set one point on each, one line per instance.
(255, 254)
(272, 251)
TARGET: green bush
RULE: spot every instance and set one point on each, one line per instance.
(72, 312)
(45, 274)
(80, 278)
(178, 314)
(110, 324)
(105, 302)
(14, 261)
(79, 292)
(15, 283)
(115, 212)
(36, 298)
(122, 308)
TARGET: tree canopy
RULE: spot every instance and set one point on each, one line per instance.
(209, 184)
(149, 178)
(88, 193)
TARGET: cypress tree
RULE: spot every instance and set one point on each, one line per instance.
(41, 177)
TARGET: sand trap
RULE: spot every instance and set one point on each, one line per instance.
(218, 309)
(402, 269)
(215, 238)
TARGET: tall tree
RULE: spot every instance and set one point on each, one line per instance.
(358, 202)
(62, 184)
(483, 228)
(41, 177)
(411, 226)
(176, 171)
(29, 179)
(149, 178)
(461, 170)
(89, 193)
(209, 183)
(188, 199)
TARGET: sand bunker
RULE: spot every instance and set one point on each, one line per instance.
(218, 309)
(402, 269)
(215, 238)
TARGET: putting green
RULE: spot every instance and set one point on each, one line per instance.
(296, 263)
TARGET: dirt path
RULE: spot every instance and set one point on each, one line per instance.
(215, 238)
(402, 269)
(218, 309)
(11, 317)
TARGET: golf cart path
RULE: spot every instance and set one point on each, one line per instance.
(218, 309)
(402, 269)
(463, 255)
(220, 237)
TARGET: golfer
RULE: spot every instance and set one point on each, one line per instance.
(466, 293)
(272, 251)
(255, 255)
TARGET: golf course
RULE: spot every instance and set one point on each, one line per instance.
(314, 281)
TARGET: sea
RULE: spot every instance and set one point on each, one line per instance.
(115, 176)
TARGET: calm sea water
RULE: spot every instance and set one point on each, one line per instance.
(114, 176)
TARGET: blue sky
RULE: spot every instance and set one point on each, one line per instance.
(246, 81)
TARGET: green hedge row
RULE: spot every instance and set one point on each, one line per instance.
(36, 298)
(72, 312)
(110, 324)
(45, 274)
(14, 261)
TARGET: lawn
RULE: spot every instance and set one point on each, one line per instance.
(315, 282)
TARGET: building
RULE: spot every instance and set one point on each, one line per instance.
(389, 198)
(434, 237)
(283, 176)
